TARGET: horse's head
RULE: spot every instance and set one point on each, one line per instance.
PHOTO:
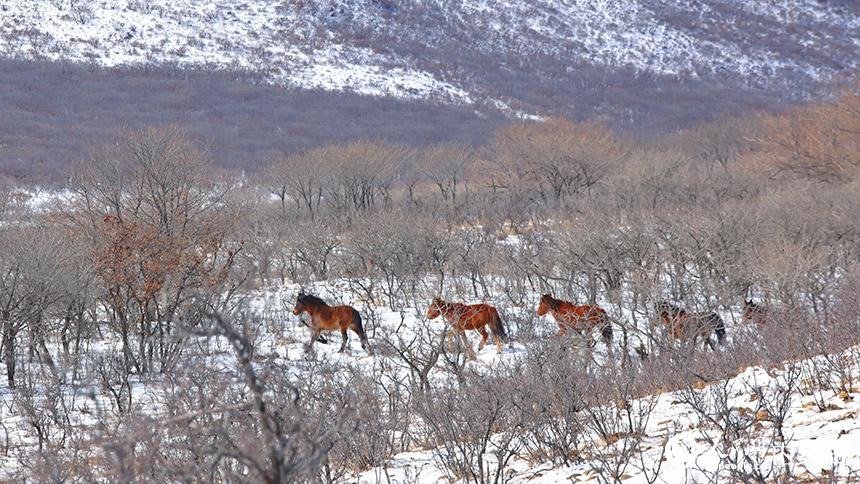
(300, 304)
(308, 303)
(753, 312)
(435, 308)
(544, 305)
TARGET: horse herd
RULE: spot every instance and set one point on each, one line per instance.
(485, 319)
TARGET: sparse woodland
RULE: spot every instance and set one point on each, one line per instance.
(135, 345)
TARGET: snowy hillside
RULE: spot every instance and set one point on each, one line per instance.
(778, 418)
(469, 52)
(258, 36)
(679, 445)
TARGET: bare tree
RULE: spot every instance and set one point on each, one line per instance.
(27, 291)
(446, 166)
(557, 158)
(156, 237)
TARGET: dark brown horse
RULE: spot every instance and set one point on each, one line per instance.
(581, 318)
(753, 313)
(475, 317)
(325, 317)
(685, 326)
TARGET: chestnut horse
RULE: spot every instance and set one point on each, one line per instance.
(685, 326)
(582, 319)
(753, 313)
(474, 317)
(325, 317)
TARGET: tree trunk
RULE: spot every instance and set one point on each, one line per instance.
(9, 353)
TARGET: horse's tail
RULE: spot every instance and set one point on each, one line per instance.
(356, 322)
(359, 329)
(497, 326)
(719, 327)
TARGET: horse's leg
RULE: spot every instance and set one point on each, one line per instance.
(315, 333)
(362, 336)
(450, 338)
(365, 345)
(499, 346)
(344, 338)
(470, 353)
(484, 336)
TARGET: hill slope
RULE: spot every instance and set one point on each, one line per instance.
(516, 56)
(294, 74)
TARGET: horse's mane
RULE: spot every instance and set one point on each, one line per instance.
(553, 303)
(312, 300)
(444, 305)
(450, 304)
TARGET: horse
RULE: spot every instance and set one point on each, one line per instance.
(753, 313)
(475, 317)
(325, 317)
(582, 319)
(691, 326)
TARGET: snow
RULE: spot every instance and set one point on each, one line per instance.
(816, 440)
(315, 45)
(632, 33)
(35, 199)
(229, 34)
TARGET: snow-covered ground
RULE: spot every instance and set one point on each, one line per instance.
(34, 199)
(817, 442)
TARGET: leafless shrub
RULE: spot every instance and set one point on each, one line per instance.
(420, 351)
(45, 410)
(556, 159)
(818, 141)
(552, 386)
(472, 429)
(114, 378)
(156, 238)
(27, 291)
(446, 166)
(369, 420)
(617, 416)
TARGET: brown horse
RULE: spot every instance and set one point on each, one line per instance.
(685, 326)
(474, 317)
(582, 319)
(325, 317)
(753, 313)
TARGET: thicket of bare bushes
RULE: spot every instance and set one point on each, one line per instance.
(143, 281)
(53, 111)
